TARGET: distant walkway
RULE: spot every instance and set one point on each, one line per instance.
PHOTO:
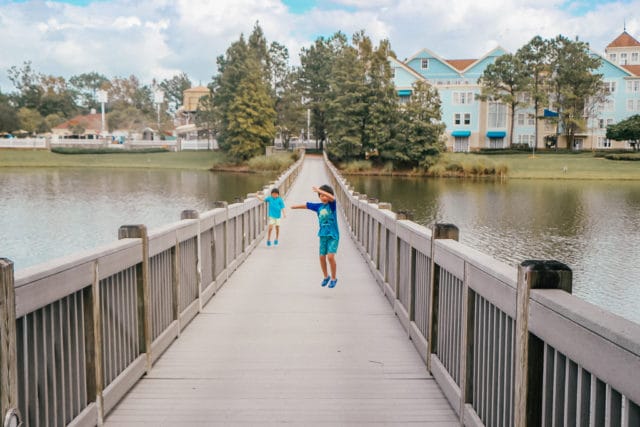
(274, 347)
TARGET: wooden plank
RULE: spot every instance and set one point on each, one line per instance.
(123, 383)
(163, 341)
(8, 354)
(494, 290)
(448, 258)
(307, 355)
(87, 418)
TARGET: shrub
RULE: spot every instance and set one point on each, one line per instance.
(627, 156)
(277, 163)
(76, 150)
(357, 166)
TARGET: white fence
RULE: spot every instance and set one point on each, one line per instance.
(44, 143)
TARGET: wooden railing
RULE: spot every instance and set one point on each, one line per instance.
(508, 346)
(77, 333)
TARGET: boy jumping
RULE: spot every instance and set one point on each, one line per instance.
(328, 233)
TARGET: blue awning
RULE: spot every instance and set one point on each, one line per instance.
(461, 133)
(496, 134)
(549, 113)
(404, 92)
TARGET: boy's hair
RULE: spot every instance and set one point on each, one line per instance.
(275, 190)
(327, 188)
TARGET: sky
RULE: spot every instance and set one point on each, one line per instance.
(161, 38)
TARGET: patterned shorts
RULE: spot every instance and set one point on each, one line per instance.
(274, 221)
(328, 245)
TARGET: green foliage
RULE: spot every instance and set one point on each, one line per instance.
(468, 167)
(419, 131)
(8, 115)
(277, 163)
(86, 87)
(503, 82)
(73, 150)
(628, 156)
(357, 166)
(242, 101)
(174, 87)
(626, 130)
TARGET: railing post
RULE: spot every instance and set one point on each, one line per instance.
(93, 332)
(143, 286)
(193, 214)
(223, 205)
(439, 231)
(529, 348)
(8, 349)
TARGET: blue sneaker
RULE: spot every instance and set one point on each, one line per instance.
(275, 242)
(333, 283)
(325, 281)
(268, 242)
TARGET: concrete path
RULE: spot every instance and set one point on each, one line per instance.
(275, 347)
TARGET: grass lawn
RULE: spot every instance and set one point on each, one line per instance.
(558, 166)
(194, 160)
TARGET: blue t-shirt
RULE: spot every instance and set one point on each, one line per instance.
(275, 206)
(327, 217)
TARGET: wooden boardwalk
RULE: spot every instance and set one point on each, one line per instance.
(275, 347)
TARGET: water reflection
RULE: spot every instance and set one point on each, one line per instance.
(48, 213)
(592, 226)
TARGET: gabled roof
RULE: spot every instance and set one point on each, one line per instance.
(88, 122)
(624, 40)
(405, 67)
(460, 64)
(633, 69)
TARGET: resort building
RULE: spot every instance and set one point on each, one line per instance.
(472, 124)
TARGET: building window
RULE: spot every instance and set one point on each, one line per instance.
(461, 144)
(424, 63)
(496, 142)
(634, 58)
(520, 119)
(612, 57)
(633, 104)
(404, 99)
(623, 59)
(633, 85)
(526, 139)
(393, 73)
(462, 98)
(462, 119)
(497, 117)
(609, 87)
(603, 142)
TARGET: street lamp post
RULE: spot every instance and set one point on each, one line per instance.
(102, 99)
(158, 98)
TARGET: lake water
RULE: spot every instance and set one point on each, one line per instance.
(49, 213)
(592, 226)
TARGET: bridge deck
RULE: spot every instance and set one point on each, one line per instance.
(274, 347)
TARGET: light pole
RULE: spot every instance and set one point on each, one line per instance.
(158, 98)
(102, 98)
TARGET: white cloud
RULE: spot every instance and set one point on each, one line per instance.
(158, 38)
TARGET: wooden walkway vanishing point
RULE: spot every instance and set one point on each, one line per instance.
(273, 346)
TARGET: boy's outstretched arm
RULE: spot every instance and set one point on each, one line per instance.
(299, 207)
(319, 191)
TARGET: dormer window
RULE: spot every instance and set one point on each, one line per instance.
(424, 64)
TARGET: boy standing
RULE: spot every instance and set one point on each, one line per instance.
(276, 210)
(329, 234)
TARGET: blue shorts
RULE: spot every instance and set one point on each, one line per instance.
(328, 245)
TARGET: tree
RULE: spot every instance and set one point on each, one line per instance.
(251, 124)
(207, 117)
(575, 87)
(8, 117)
(242, 98)
(347, 104)
(419, 130)
(314, 81)
(27, 82)
(129, 92)
(291, 112)
(535, 58)
(30, 120)
(174, 88)
(626, 130)
(504, 82)
(86, 86)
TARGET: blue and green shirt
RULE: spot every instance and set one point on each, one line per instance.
(327, 218)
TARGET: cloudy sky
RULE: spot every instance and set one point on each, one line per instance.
(159, 38)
